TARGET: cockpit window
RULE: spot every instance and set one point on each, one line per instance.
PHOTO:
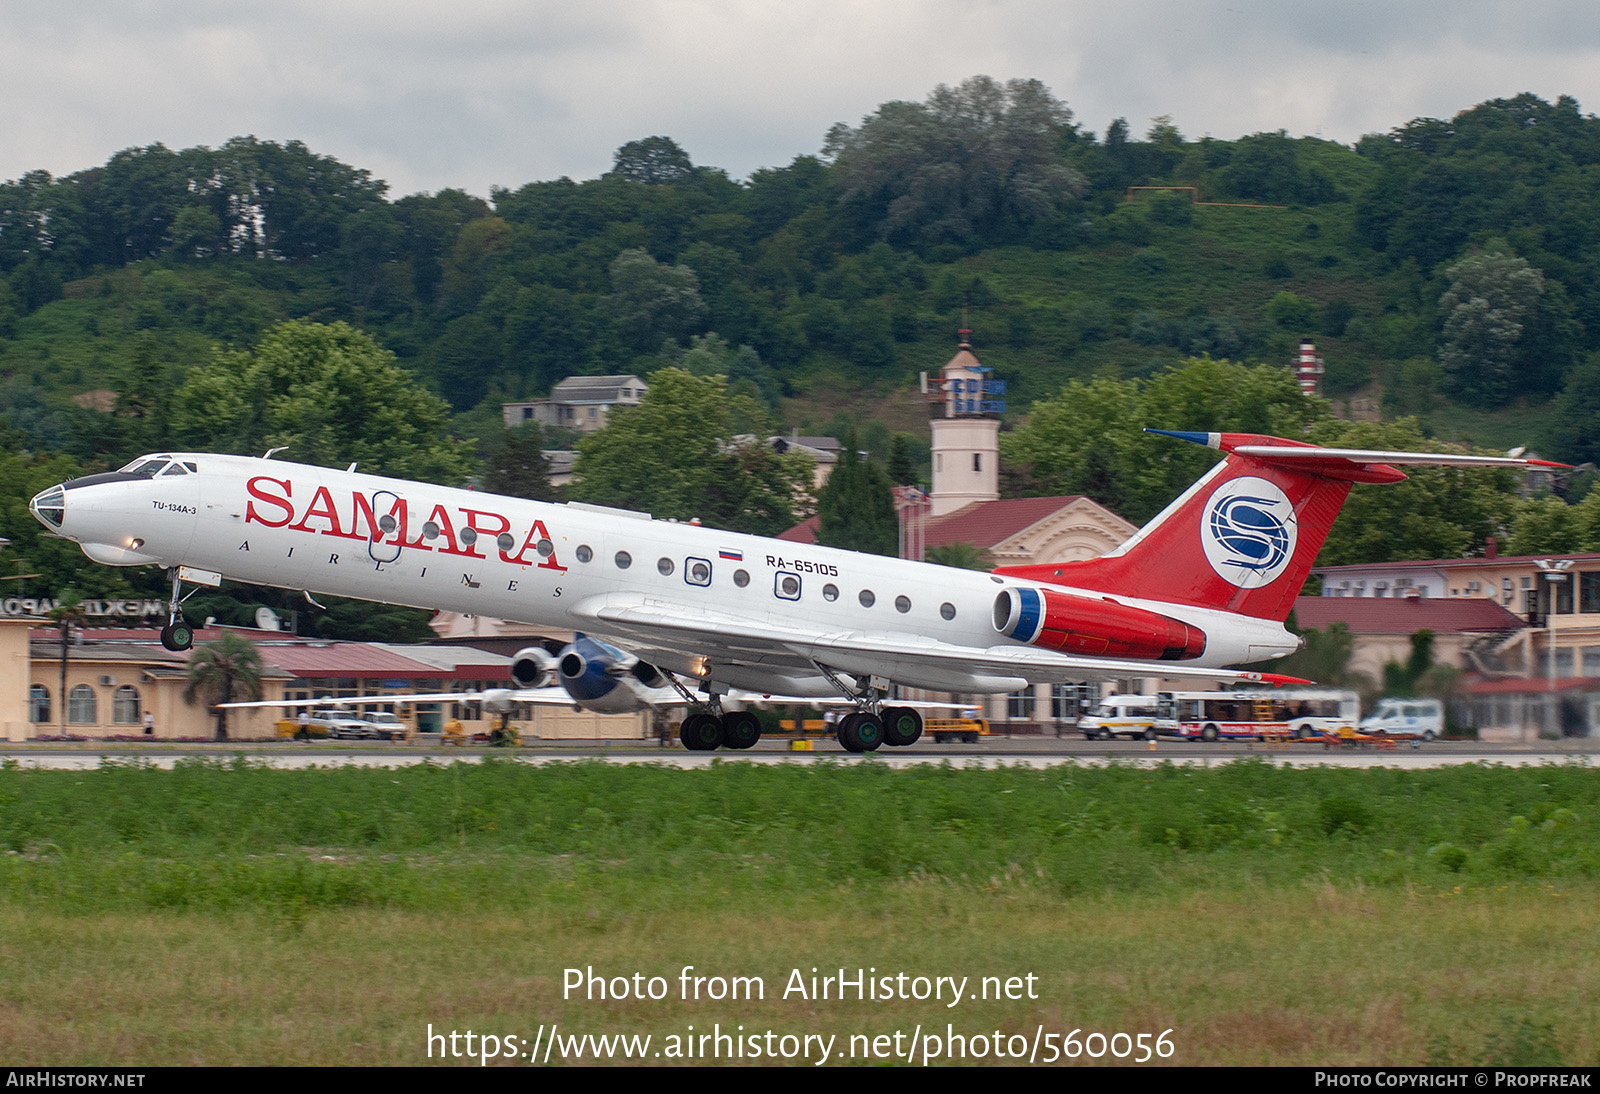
(175, 468)
(148, 466)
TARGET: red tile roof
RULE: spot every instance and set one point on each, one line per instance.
(1406, 615)
(987, 523)
(983, 523)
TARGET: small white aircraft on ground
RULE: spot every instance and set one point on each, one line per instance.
(1207, 584)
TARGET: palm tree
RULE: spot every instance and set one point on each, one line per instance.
(67, 614)
(224, 671)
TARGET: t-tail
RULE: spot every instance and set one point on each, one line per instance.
(1243, 538)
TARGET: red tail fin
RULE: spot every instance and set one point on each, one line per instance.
(1244, 537)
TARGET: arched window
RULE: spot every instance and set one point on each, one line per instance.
(125, 706)
(81, 707)
(38, 703)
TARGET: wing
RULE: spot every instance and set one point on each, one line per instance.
(542, 696)
(650, 627)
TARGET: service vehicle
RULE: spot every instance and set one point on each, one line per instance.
(1122, 716)
(1422, 718)
(1258, 714)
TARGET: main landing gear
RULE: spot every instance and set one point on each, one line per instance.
(177, 635)
(866, 730)
(705, 731)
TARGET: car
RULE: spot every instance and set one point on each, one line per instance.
(387, 725)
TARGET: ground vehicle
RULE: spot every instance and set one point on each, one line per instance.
(1121, 716)
(387, 725)
(954, 729)
(1258, 714)
(343, 725)
(1406, 717)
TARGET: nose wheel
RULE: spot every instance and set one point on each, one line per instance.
(177, 636)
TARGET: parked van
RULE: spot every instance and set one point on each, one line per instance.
(1121, 716)
(1419, 717)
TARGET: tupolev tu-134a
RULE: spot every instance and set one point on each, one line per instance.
(666, 608)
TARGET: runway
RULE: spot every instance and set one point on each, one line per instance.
(1034, 752)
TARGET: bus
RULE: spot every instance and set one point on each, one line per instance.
(1258, 714)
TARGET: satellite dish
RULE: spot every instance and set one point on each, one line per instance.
(267, 620)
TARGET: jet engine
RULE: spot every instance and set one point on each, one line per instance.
(601, 677)
(534, 667)
(1056, 620)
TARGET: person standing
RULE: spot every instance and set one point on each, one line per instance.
(149, 724)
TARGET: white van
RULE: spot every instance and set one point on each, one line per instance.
(1419, 717)
(1121, 716)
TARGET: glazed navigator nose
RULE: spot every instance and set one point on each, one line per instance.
(49, 507)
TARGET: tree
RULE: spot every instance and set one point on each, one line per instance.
(330, 394)
(978, 161)
(655, 161)
(1492, 296)
(690, 450)
(225, 671)
(856, 505)
(517, 467)
(963, 556)
(67, 613)
(653, 303)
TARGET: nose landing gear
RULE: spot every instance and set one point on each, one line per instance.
(177, 635)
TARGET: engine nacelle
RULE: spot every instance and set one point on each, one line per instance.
(1056, 620)
(534, 667)
(601, 677)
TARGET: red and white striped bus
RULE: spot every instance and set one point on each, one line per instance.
(1257, 714)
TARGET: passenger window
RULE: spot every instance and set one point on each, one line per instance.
(584, 552)
(624, 560)
(902, 604)
(948, 610)
(786, 586)
(697, 571)
(741, 578)
(830, 593)
(664, 565)
(867, 599)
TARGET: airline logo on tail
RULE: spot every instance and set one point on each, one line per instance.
(1249, 532)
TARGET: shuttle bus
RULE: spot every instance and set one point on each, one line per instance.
(1258, 714)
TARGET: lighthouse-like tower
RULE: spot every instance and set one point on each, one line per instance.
(965, 403)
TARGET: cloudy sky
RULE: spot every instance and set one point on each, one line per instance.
(481, 93)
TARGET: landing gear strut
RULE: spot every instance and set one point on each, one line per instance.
(708, 727)
(872, 724)
(177, 635)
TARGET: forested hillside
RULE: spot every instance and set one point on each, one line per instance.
(1446, 270)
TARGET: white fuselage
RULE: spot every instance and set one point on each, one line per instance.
(269, 522)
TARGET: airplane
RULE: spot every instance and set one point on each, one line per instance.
(1208, 583)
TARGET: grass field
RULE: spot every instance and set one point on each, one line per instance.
(232, 914)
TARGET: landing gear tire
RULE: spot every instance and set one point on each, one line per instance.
(177, 637)
(1208, 734)
(740, 729)
(901, 726)
(701, 732)
(861, 732)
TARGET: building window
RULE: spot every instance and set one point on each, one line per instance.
(38, 703)
(125, 706)
(977, 461)
(1019, 705)
(1589, 591)
(1563, 589)
(82, 710)
(1563, 661)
